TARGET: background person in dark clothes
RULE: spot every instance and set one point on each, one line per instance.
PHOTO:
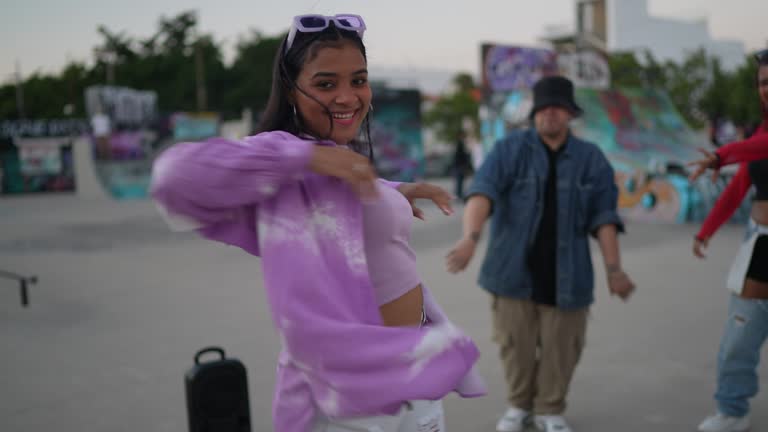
(462, 164)
(546, 191)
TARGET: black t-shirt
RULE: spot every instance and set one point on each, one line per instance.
(542, 258)
(758, 173)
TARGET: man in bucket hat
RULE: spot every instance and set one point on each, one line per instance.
(546, 191)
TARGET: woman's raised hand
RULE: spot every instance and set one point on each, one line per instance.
(709, 161)
(438, 195)
(353, 168)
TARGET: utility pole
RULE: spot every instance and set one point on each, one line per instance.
(110, 71)
(109, 58)
(202, 96)
(19, 91)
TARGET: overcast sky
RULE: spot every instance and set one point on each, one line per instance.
(42, 35)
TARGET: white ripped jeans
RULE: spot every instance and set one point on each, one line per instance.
(418, 416)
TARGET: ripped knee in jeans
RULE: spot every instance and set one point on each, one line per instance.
(740, 320)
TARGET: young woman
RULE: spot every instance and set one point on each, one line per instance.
(747, 326)
(364, 344)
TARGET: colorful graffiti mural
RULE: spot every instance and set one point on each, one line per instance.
(194, 126)
(125, 174)
(124, 145)
(125, 107)
(648, 143)
(41, 164)
(512, 67)
(643, 136)
(586, 68)
(36, 155)
(125, 179)
(396, 134)
(501, 112)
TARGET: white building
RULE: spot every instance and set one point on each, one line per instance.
(625, 25)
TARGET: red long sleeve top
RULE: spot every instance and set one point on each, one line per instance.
(743, 152)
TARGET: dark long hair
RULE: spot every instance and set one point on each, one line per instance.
(762, 63)
(279, 113)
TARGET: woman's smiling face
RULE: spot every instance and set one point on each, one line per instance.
(337, 77)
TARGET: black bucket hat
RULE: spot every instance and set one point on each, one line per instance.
(554, 91)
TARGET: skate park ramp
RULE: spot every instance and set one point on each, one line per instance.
(646, 140)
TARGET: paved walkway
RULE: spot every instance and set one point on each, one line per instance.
(123, 304)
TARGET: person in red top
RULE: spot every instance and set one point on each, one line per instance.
(747, 327)
(748, 150)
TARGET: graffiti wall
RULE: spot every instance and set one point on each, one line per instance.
(508, 68)
(586, 68)
(125, 179)
(37, 165)
(640, 131)
(508, 73)
(125, 107)
(194, 126)
(122, 145)
(396, 134)
(648, 143)
(36, 155)
(501, 112)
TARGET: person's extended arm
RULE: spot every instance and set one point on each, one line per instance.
(476, 212)
(605, 225)
(485, 191)
(724, 207)
(427, 191)
(618, 281)
(203, 183)
(748, 150)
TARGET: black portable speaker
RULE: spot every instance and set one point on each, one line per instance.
(217, 395)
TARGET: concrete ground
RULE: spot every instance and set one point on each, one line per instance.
(123, 304)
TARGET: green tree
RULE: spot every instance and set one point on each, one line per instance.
(251, 72)
(164, 62)
(626, 71)
(687, 83)
(8, 108)
(45, 96)
(743, 103)
(448, 114)
(714, 102)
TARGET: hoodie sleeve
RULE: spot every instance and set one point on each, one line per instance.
(727, 204)
(216, 185)
(748, 150)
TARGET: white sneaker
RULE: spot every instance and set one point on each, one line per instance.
(514, 420)
(723, 423)
(551, 423)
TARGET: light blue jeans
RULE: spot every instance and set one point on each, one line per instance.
(745, 333)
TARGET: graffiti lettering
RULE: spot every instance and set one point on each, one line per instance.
(509, 68)
(126, 107)
(42, 128)
(586, 69)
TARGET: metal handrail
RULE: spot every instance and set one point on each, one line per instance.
(24, 282)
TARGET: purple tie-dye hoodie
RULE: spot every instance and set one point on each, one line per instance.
(338, 358)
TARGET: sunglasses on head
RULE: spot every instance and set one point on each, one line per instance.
(762, 57)
(318, 23)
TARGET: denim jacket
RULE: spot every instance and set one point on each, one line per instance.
(513, 177)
